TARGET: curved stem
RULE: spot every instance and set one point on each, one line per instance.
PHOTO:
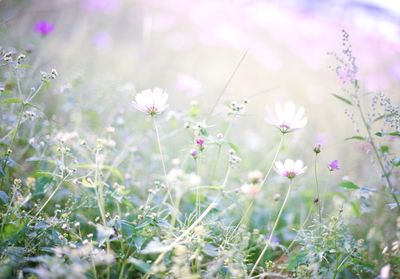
(273, 230)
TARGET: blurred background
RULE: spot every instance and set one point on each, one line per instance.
(107, 50)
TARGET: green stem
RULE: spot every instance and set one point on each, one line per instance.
(273, 162)
(371, 141)
(162, 162)
(197, 190)
(250, 206)
(318, 198)
(273, 230)
(194, 225)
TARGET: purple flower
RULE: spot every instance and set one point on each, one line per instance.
(194, 153)
(44, 27)
(334, 165)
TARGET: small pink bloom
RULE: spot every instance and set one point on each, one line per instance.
(290, 168)
(194, 153)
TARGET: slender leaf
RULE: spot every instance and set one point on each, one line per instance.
(349, 185)
(342, 99)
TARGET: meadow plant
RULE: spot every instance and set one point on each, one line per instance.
(87, 198)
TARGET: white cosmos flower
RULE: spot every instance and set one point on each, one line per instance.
(290, 168)
(150, 101)
(287, 118)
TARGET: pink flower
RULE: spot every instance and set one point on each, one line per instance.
(290, 168)
(200, 143)
(194, 153)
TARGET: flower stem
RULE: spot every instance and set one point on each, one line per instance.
(318, 198)
(273, 230)
(371, 141)
(162, 160)
(248, 210)
(273, 162)
(194, 225)
(197, 190)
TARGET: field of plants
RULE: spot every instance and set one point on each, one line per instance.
(199, 139)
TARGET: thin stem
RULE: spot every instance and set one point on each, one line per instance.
(318, 198)
(99, 187)
(214, 169)
(49, 199)
(162, 160)
(249, 207)
(371, 141)
(273, 162)
(197, 190)
(194, 224)
(273, 230)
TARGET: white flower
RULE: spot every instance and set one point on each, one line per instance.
(287, 118)
(290, 168)
(150, 101)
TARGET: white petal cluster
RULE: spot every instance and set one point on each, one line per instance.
(287, 118)
(290, 168)
(151, 102)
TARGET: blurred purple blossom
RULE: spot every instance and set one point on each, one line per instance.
(105, 6)
(334, 165)
(102, 40)
(189, 85)
(44, 27)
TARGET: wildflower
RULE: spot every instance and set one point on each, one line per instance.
(44, 27)
(255, 176)
(194, 153)
(287, 118)
(317, 148)
(290, 168)
(334, 165)
(151, 102)
(249, 189)
(200, 143)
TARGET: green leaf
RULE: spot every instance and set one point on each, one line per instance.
(297, 259)
(342, 99)
(12, 101)
(12, 229)
(384, 149)
(349, 185)
(383, 116)
(210, 250)
(234, 147)
(4, 197)
(356, 208)
(355, 138)
(396, 162)
(393, 134)
(141, 265)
